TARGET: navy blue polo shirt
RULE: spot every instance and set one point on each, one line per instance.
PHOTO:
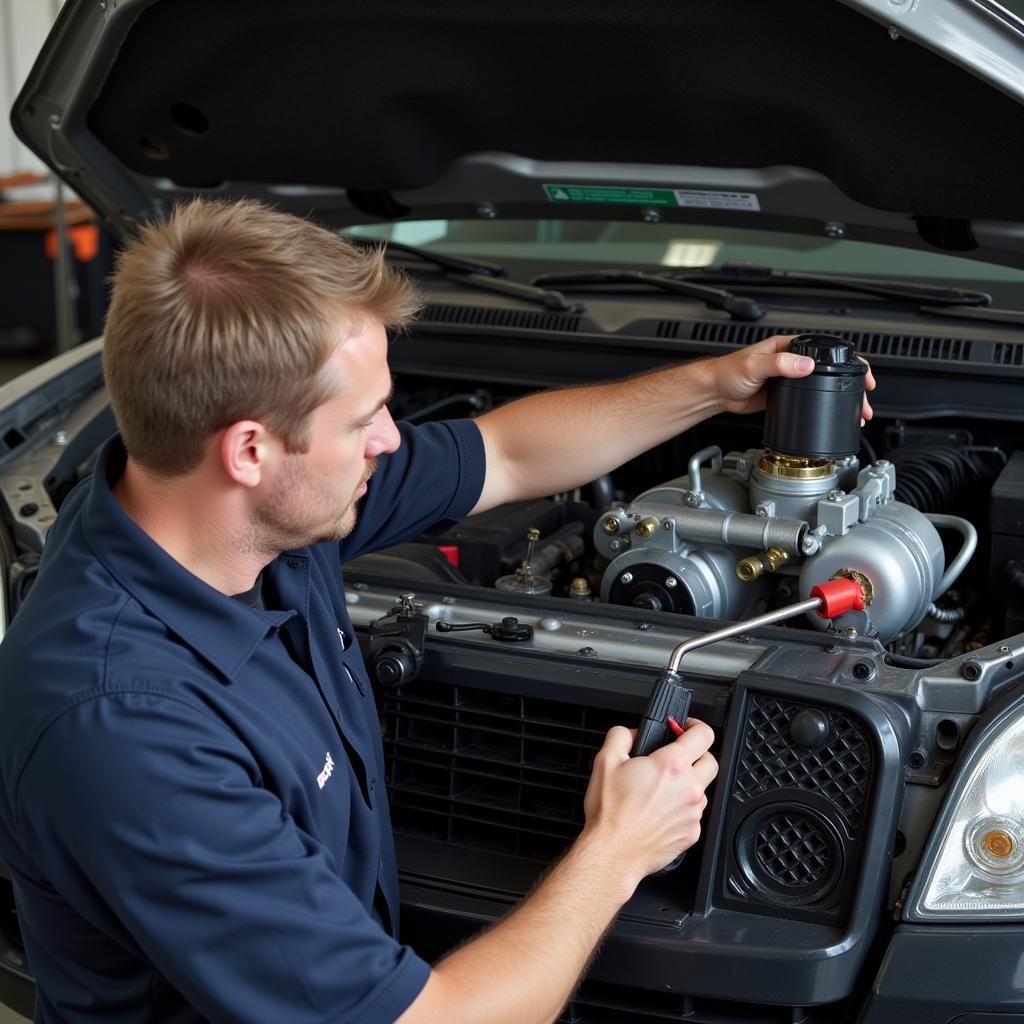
(193, 808)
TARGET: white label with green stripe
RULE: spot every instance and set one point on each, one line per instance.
(634, 196)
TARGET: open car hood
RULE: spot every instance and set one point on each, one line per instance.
(806, 116)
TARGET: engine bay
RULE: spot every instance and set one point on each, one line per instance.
(721, 526)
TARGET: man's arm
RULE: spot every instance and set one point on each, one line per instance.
(557, 440)
(641, 814)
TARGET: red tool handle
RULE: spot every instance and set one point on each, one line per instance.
(838, 596)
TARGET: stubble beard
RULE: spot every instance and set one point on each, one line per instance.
(279, 525)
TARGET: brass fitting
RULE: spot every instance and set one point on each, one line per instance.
(792, 467)
(754, 566)
(860, 579)
(610, 525)
(647, 527)
(579, 588)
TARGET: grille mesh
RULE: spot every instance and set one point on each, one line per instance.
(489, 770)
(839, 769)
(794, 850)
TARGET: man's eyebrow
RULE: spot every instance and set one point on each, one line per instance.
(363, 417)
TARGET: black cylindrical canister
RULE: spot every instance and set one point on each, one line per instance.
(817, 416)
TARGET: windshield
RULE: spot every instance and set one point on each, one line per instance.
(613, 244)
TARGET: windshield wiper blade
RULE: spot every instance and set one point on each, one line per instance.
(489, 277)
(555, 301)
(747, 274)
(439, 259)
(737, 306)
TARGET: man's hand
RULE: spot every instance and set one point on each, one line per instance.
(739, 378)
(648, 809)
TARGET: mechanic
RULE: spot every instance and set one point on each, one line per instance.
(193, 808)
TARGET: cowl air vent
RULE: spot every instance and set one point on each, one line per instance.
(1008, 353)
(907, 346)
(495, 316)
(489, 770)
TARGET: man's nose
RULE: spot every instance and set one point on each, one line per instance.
(384, 437)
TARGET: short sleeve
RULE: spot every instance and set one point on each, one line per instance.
(159, 831)
(433, 480)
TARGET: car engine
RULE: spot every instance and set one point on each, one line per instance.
(802, 502)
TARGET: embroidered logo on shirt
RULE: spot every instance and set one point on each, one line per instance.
(321, 779)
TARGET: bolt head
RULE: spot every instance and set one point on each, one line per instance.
(486, 210)
(971, 670)
(652, 216)
(834, 229)
(692, 499)
(626, 577)
(671, 582)
(610, 525)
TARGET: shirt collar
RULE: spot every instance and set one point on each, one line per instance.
(224, 631)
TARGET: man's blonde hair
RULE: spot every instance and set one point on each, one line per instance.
(229, 311)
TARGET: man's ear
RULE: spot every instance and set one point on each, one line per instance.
(245, 448)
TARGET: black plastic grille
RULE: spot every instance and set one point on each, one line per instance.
(794, 850)
(602, 1003)
(495, 316)
(839, 769)
(489, 770)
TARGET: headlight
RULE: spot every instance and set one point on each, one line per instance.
(973, 867)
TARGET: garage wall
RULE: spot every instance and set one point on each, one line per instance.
(23, 27)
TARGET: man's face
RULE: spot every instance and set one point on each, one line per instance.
(312, 495)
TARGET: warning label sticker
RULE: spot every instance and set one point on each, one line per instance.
(652, 197)
(617, 196)
(717, 200)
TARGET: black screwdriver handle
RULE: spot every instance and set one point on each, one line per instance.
(669, 699)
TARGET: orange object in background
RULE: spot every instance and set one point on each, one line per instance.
(83, 238)
(28, 254)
